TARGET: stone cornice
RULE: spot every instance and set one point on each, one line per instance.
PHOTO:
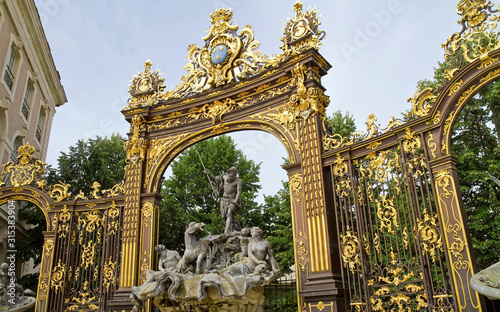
(27, 22)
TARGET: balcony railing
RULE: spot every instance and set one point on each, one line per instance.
(25, 109)
(38, 133)
(8, 77)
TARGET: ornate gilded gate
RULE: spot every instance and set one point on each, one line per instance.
(377, 218)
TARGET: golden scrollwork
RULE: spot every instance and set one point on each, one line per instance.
(63, 226)
(350, 250)
(477, 38)
(147, 212)
(429, 235)
(411, 142)
(301, 245)
(396, 279)
(25, 171)
(144, 264)
(57, 276)
(109, 273)
(90, 220)
(88, 254)
(43, 287)
(59, 192)
(432, 145)
(48, 247)
(296, 186)
(85, 300)
(399, 299)
(113, 219)
(382, 291)
(335, 140)
(412, 145)
(421, 103)
(413, 288)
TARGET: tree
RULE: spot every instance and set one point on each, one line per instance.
(99, 159)
(188, 195)
(278, 230)
(342, 124)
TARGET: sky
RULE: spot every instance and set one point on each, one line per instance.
(378, 50)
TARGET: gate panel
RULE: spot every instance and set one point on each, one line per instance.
(390, 239)
(86, 256)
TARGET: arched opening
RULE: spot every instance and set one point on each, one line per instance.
(475, 141)
(23, 221)
(188, 196)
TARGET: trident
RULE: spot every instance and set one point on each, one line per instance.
(215, 193)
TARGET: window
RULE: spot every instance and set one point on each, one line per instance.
(15, 146)
(9, 69)
(39, 125)
(26, 101)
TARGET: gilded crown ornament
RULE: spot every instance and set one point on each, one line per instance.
(226, 57)
(25, 171)
(145, 87)
(301, 32)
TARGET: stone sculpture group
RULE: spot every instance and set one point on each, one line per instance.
(223, 271)
(13, 297)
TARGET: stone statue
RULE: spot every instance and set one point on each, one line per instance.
(487, 282)
(230, 202)
(218, 272)
(260, 258)
(12, 295)
(195, 249)
(168, 258)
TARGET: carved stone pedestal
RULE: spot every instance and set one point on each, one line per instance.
(252, 302)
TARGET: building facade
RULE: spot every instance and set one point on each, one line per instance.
(30, 92)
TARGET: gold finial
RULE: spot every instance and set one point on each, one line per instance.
(25, 153)
(298, 6)
(221, 15)
(147, 66)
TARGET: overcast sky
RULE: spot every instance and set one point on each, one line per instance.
(379, 50)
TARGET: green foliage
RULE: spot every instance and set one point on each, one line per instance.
(475, 141)
(277, 212)
(188, 193)
(29, 281)
(343, 125)
(438, 80)
(31, 246)
(99, 159)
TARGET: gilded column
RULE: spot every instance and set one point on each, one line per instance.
(131, 221)
(149, 222)
(457, 239)
(45, 272)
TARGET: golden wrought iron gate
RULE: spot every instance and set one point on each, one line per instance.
(377, 218)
